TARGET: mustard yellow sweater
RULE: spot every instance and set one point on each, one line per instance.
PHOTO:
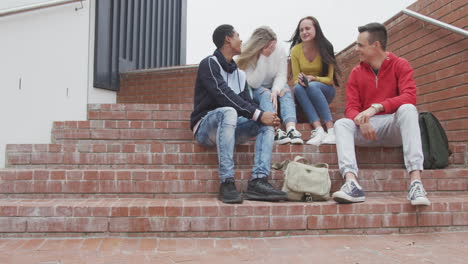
(299, 63)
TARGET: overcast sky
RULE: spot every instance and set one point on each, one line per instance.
(339, 19)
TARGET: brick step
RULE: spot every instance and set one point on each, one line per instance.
(159, 112)
(180, 183)
(187, 155)
(100, 131)
(172, 155)
(211, 218)
(93, 134)
(139, 111)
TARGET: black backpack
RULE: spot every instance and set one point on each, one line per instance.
(434, 142)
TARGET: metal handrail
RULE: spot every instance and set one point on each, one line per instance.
(436, 22)
(27, 8)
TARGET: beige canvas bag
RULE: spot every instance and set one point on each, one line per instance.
(305, 182)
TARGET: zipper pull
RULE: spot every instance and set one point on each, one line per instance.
(376, 81)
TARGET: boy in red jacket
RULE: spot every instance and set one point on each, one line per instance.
(380, 111)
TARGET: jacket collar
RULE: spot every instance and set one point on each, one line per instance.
(390, 58)
(228, 67)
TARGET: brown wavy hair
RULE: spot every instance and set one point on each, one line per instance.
(324, 46)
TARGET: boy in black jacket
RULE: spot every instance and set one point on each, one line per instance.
(225, 114)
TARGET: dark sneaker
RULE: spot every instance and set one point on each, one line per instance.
(349, 193)
(260, 189)
(295, 137)
(417, 194)
(228, 192)
(281, 137)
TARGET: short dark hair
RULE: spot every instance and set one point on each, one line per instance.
(220, 33)
(376, 31)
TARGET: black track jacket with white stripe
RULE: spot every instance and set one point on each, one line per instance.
(212, 90)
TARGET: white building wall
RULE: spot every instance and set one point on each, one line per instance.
(46, 71)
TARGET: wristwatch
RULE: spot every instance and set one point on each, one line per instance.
(377, 107)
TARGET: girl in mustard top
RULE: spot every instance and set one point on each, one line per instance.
(313, 59)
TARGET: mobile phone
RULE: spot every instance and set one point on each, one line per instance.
(305, 81)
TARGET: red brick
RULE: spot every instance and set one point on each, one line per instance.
(209, 224)
(460, 218)
(363, 221)
(18, 158)
(434, 219)
(101, 211)
(181, 224)
(57, 175)
(63, 211)
(9, 225)
(67, 225)
(325, 222)
(452, 185)
(287, 222)
(119, 211)
(130, 225)
(400, 220)
(9, 210)
(110, 115)
(45, 211)
(41, 175)
(137, 115)
(249, 223)
(156, 210)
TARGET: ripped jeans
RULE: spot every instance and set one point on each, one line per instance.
(262, 96)
(222, 128)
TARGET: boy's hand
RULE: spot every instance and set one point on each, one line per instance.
(368, 131)
(270, 119)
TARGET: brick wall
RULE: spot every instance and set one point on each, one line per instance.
(439, 59)
(158, 86)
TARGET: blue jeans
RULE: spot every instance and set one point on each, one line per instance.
(262, 95)
(315, 98)
(223, 128)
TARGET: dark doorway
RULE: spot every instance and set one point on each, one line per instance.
(137, 34)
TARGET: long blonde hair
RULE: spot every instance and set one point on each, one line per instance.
(252, 48)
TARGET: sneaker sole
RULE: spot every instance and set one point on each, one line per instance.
(269, 198)
(314, 144)
(283, 141)
(344, 198)
(234, 201)
(297, 141)
(424, 203)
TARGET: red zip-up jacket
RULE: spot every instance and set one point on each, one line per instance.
(392, 87)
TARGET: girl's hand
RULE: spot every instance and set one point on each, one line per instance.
(274, 99)
(311, 78)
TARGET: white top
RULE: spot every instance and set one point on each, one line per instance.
(270, 72)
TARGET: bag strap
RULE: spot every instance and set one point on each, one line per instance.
(280, 165)
(304, 160)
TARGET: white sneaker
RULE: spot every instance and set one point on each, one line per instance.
(417, 194)
(350, 192)
(281, 137)
(316, 137)
(329, 137)
(295, 136)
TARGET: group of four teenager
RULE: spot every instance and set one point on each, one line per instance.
(234, 102)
